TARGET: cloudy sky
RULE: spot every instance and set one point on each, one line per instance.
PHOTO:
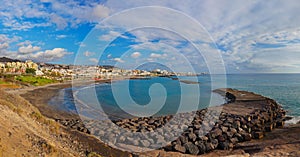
(250, 36)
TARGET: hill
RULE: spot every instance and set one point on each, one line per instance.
(5, 59)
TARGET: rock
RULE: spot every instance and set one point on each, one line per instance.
(234, 140)
(248, 118)
(183, 139)
(145, 143)
(121, 139)
(221, 138)
(130, 140)
(258, 135)
(247, 136)
(204, 138)
(280, 123)
(239, 137)
(209, 147)
(229, 134)
(233, 131)
(215, 133)
(168, 148)
(224, 146)
(268, 127)
(179, 148)
(159, 139)
(224, 129)
(236, 124)
(191, 148)
(111, 138)
(201, 147)
(215, 143)
(192, 137)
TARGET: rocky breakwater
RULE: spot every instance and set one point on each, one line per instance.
(246, 116)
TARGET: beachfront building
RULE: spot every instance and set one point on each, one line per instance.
(17, 67)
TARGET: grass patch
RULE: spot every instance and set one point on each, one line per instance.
(2, 82)
(7, 84)
(35, 81)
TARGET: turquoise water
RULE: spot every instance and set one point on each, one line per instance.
(284, 88)
(151, 97)
(147, 96)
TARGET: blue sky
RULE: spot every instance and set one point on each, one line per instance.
(249, 36)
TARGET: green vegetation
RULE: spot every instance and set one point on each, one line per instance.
(30, 71)
(2, 82)
(34, 80)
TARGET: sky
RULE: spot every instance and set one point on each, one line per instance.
(242, 36)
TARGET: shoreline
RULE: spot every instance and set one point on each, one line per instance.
(45, 93)
(40, 96)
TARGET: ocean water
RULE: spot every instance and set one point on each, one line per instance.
(149, 97)
(283, 88)
(160, 95)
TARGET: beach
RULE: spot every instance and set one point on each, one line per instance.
(39, 98)
(271, 143)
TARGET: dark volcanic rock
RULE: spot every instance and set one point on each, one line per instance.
(179, 148)
(201, 147)
(224, 145)
(191, 148)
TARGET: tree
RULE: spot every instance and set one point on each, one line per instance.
(30, 71)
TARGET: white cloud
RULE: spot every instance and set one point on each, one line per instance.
(60, 13)
(28, 49)
(101, 11)
(4, 45)
(135, 54)
(94, 60)
(156, 55)
(59, 21)
(88, 53)
(237, 27)
(119, 60)
(109, 36)
(50, 55)
(62, 36)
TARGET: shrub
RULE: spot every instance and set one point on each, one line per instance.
(30, 71)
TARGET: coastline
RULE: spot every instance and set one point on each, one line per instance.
(39, 97)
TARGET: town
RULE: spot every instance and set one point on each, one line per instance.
(58, 72)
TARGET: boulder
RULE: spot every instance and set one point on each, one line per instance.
(192, 137)
(216, 132)
(269, 127)
(191, 148)
(224, 145)
(221, 138)
(145, 143)
(201, 147)
(179, 148)
(247, 136)
(258, 135)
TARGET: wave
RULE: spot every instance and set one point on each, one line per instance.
(294, 120)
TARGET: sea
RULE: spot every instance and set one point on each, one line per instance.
(155, 96)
